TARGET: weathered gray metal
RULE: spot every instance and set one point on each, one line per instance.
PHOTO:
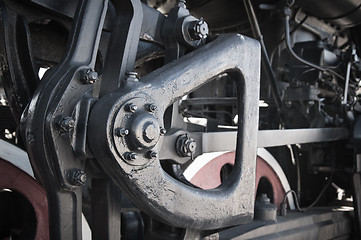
(143, 178)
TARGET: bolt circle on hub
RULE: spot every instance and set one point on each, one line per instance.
(137, 131)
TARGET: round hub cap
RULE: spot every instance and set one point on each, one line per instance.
(144, 131)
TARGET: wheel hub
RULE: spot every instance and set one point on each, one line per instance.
(137, 131)
(144, 131)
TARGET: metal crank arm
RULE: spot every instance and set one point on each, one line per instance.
(126, 130)
(49, 123)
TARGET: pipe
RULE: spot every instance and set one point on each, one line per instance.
(265, 59)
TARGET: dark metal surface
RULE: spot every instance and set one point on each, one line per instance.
(66, 7)
(152, 25)
(356, 180)
(345, 13)
(177, 32)
(264, 210)
(323, 223)
(123, 45)
(265, 59)
(106, 208)
(17, 180)
(49, 149)
(18, 73)
(147, 184)
(356, 176)
(79, 124)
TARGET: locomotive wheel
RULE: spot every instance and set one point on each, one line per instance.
(24, 205)
(270, 178)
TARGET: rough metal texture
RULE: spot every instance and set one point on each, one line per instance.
(146, 183)
(50, 149)
(321, 223)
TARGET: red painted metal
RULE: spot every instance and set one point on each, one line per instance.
(15, 179)
(209, 176)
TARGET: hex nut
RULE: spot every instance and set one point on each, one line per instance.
(163, 131)
(89, 76)
(152, 155)
(121, 132)
(77, 177)
(151, 108)
(185, 146)
(131, 107)
(130, 156)
(132, 76)
(198, 29)
(64, 124)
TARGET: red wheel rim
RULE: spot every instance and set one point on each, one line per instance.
(209, 177)
(15, 179)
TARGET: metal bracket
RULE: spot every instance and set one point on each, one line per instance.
(50, 150)
(147, 185)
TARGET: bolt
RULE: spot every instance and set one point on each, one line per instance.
(131, 107)
(121, 132)
(132, 76)
(89, 76)
(163, 131)
(198, 29)
(151, 107)
(191, 145)
(77, 177)
(64, 123)
(152, 155)
(130, 156)
(185, 146)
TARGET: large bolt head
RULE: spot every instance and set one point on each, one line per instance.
(198, 30)
(185, 146)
